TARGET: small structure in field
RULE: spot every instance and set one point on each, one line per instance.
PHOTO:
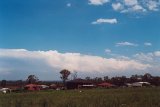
(32, 87)
(79, 83)
(105, 85)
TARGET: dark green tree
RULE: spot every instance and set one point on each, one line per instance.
(106, 78)
(32, 79)
(64, 75)
(88, 78)
(147, 77)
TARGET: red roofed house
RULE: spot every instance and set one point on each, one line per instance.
(32, 87)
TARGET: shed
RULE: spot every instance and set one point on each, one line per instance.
(79, 83)
(43, 87)
(106, 85)
(140, 84)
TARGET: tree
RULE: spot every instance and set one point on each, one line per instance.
(3, 83)
(156, 81)
(64, 75)
(123, 80)
(97, 80)
(135, 78)
(88, 78)
(32, 79)
(119, 81)
(106, 78)
(147, 77)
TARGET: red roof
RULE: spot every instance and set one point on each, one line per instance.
(31, 85)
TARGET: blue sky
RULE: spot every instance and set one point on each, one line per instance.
(104, 28)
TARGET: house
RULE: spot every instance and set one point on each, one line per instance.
(32, 87)
(105, 85)
(53, 86)
(79, 83)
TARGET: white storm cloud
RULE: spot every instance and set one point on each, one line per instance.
(157, 53)
(109, 21)
(152, 57)
(144, 57)
(43, 62)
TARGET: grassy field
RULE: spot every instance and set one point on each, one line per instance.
(128, 97)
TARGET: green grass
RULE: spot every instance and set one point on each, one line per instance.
(127, 97)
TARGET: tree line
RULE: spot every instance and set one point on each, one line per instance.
(117, 80)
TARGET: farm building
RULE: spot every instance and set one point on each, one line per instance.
(128, 85)
(140, 84)
(105, 85)
(87, 86)
(79, 83)
(32, 87)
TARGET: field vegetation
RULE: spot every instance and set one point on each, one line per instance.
(120, 97)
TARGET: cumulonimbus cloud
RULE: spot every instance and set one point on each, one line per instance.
(71, 61)
(152, 58)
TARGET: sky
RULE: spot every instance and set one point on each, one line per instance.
(90, 37)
